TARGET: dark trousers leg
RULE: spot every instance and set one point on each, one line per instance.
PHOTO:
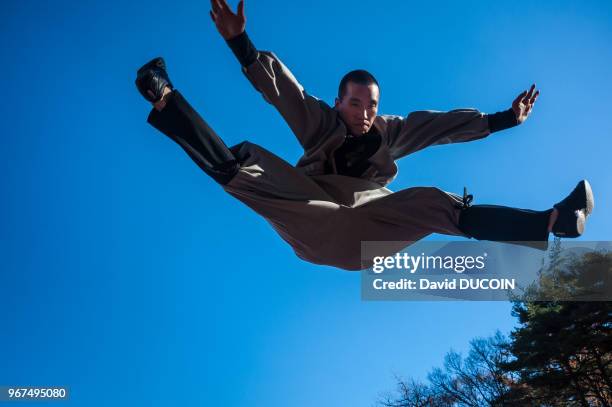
(504, 224)
(179, 121)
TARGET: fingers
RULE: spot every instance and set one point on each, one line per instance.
(532, 95)
(224, 5)
(221, 8)
(527, 95)
(523, 104)
(531, 91)
(216, 6)
(241, 9)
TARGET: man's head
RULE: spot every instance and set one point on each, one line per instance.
(357, 101)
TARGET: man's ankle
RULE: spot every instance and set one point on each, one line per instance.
(161, 103)
(553, 218)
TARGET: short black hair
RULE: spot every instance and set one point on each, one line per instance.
(359, 76)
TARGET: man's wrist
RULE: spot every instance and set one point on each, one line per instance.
(243, 48)
(502, 120)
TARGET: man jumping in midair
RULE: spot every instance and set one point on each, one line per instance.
(335, 197)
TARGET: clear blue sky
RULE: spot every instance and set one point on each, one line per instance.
(132, 278)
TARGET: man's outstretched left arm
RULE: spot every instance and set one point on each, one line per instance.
(425, 128)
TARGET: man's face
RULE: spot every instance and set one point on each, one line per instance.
(358, 107)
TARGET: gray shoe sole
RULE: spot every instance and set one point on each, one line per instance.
(590, 199)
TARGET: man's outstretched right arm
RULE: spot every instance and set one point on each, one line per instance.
(308, 117)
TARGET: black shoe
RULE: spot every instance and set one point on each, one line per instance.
(580, 198)
(152, 78)
(569, 223)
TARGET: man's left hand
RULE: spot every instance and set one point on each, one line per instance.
(524, 102)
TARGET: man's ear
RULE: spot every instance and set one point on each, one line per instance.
(337, 103)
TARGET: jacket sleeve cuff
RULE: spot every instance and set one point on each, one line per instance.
(243, 48)
(502, 120)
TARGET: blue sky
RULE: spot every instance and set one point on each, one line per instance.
(133, 279)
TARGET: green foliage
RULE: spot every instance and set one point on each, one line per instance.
(559, 355)
(562, 350)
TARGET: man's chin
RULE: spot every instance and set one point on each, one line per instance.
(359, 131)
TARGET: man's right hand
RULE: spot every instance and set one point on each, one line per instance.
(228, 23)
